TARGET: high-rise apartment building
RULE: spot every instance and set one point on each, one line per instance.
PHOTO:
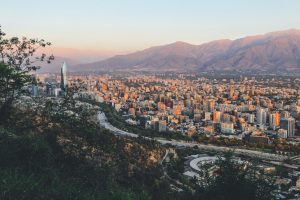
(210, 105)
(289, 125)
(274, 120)
(261, 116)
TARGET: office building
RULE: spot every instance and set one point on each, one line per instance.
(64, 78)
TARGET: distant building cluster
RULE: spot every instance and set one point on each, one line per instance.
(252, 109)
(50, 85)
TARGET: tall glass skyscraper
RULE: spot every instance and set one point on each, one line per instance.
(64, 78)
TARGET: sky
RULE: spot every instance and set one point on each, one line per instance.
(130, 25)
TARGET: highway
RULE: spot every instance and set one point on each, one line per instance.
(182, 144)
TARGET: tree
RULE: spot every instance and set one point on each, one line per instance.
(11, 84)
(236, 181)
(16, 62)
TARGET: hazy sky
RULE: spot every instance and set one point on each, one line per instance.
(127, 25)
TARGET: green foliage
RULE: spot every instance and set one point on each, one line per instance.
(280, 170)
(36, 167)
(11, 84)
(21, 186)
(16, 61)
(18, 53)
(236, 181)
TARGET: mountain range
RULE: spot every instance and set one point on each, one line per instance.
(275, 51)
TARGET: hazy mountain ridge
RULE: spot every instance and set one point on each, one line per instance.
(55, 65)
(273, 51)
(278, 51)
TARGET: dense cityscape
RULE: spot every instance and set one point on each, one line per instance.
(257, 109)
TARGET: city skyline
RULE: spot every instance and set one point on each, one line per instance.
(126, 99)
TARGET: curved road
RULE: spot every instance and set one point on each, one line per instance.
(251, 153)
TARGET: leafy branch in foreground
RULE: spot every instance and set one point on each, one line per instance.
(16, 62)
